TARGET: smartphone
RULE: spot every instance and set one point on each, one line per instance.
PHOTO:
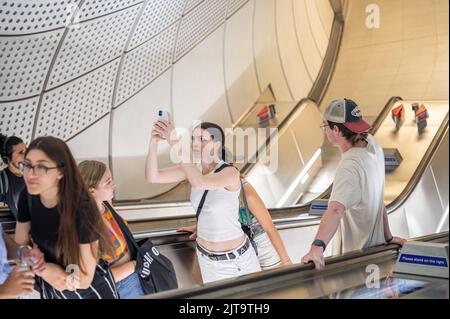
(163, 116)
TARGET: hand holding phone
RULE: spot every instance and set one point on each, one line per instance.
(163, 116)
(157, 132)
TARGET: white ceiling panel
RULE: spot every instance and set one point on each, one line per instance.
(70, 108)
(157, 16)
(91, 44)
(32, 16)
(198, 23)
(24, 63)
(97, 8)
(17, 118)
(145, 63)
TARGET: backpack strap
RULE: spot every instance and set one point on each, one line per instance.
(131, 242)
(202, 201)
(247, 210)
(4, 184)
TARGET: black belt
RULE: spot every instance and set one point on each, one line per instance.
(227, 256)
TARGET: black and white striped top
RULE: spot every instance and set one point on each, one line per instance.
(102, 287)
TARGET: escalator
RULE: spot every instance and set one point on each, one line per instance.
(344, 274)
(296, 226)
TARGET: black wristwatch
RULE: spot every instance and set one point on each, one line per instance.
(319, 243)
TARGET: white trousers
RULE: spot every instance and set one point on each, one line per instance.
(213, 270)
(267, 255)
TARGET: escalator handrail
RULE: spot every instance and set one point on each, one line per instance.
(420, 170)
(331, 263)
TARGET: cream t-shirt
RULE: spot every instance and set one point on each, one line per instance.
(359, 186)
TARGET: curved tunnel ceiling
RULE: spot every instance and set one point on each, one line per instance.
(94, 72)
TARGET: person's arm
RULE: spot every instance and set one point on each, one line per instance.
(11, 246)
(330, 221)
(327, 228)
(228, 178)
(22, 235)
(388, 237)
(57, 277)
(387, 231)
(190, 229)
(259, 210)
(123, 271)
(17, 284)
(88, 258)
(152, 172)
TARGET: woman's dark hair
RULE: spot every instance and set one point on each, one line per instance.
(77, 209)
(350, 136)
(6, 146)
(217, 134)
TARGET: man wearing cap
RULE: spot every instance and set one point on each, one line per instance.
(356, 212)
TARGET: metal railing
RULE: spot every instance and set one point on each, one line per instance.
(260, 279)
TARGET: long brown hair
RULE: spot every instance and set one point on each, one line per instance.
(76, 206)
(92, 172)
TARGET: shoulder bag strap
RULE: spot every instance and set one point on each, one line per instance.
(4, 184)
(247, 210)
(202, 201)
(124, 228)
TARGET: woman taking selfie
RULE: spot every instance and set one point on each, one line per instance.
(223, 249)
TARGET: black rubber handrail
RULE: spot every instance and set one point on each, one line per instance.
(331, 263)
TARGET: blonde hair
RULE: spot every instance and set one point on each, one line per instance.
(92, 172)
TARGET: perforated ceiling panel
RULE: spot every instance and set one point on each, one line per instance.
(94, 43)
(25, 61)
(96, 8)
(70, 108)
(191, 4)
(157, 16)
(198, 23)
(146, 62)
(234, 5)
(32, 16)
(17, 118)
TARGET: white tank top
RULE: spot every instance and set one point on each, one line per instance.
(219, 218)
